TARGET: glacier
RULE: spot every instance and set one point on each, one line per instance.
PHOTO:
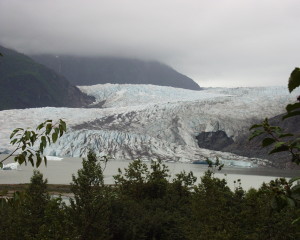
(149, 122)
(10, 166)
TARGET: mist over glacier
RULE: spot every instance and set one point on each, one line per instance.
(148, 122)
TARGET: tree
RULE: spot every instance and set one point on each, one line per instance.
(89, 210)
(148, 204)
(34, 205)
(33, 214)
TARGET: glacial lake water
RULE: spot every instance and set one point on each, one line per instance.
(60, 172)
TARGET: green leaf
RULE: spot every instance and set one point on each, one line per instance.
(39, 127)
(38, 160)
(61, 130)
(15, 131)
(30, 158)
(291, 114)
(294, 80)
(20, 159)
(32, 139)
(31, 161)
(291, 107)
(281, 148)
(255, 126)
(56, 130)
(54, 137)
(279, 144)
(285, 135)
(1, 165)
(13, 141)
(63, 124)
(48, 128)
(27, 135)
(276, 129)
(255, 134)
(44, 141)
(45, 161)
(268, 141)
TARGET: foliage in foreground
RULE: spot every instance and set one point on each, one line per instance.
(31, 143)
(286, 192)
(275, 136)
(146, 204)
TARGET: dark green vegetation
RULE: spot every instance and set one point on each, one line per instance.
(25, 83)
(146, 204)
(100, 70)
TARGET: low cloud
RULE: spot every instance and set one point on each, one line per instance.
(217, 43)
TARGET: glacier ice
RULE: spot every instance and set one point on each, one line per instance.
(10, 166)
(53, 158)
(146, 121)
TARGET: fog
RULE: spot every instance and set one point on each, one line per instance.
(226, 43)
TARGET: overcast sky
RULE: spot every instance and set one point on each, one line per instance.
(216, 42)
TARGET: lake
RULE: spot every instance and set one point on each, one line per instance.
(60, 172)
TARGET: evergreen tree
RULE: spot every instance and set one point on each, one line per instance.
(89, 210)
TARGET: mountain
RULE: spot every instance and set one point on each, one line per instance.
(82, 71)
(25, 84)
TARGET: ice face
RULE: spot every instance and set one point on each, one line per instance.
(10, 166)
(145, 121)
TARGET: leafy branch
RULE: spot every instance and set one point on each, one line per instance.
(285, 192)
(27, 139)
(276, 134)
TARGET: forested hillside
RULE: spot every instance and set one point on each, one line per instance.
(25, 84)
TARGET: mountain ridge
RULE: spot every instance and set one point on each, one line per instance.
(83, 71)
(25, 84)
